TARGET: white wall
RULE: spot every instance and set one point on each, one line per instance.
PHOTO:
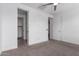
(66, 23)
(38, 23)
(9, 28)
(0, 28)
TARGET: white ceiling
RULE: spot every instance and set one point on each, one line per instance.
(47, 9)
(34, 5)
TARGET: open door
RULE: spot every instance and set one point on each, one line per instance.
(50, 28)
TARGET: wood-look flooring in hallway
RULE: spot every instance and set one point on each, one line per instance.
(50, 48)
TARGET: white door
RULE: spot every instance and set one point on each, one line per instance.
(57, 28)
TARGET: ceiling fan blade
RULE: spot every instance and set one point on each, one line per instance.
(47, 4)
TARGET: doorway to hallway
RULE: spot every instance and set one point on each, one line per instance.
(22, 28)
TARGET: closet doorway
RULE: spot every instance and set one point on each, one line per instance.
(22, 28)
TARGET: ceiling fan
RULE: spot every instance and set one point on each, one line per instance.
(55, 5)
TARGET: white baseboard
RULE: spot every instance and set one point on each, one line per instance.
(33, 43)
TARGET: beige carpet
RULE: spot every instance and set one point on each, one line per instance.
(50, 48)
